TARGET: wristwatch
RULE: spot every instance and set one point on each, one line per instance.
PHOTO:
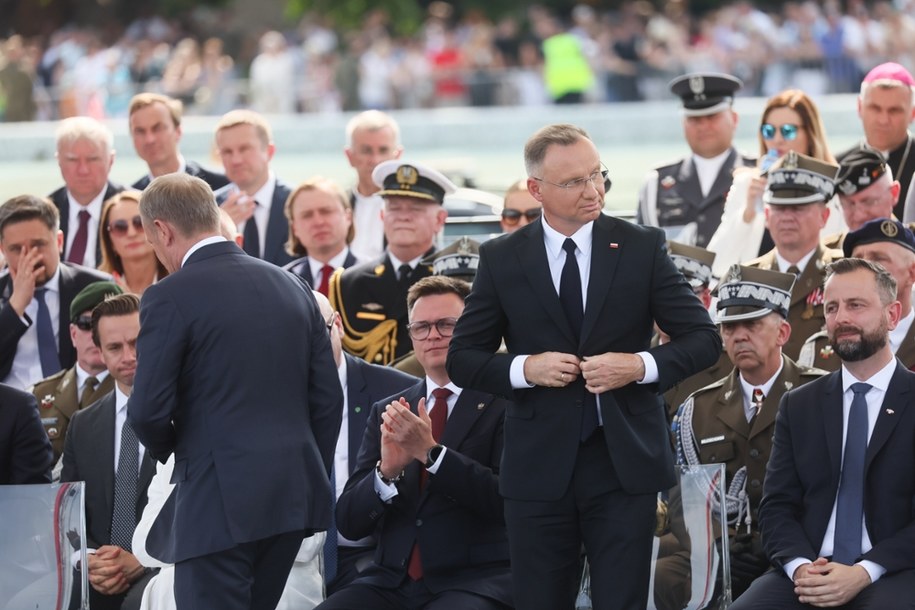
(386, 480)
(433, 454)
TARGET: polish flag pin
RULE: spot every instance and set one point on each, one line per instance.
(614, 245)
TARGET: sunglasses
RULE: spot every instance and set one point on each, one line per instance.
(83, 322)
(512, 217)
(788, 131)
(120, 227)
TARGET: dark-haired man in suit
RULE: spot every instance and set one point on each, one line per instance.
(426, 483)
(836, 514)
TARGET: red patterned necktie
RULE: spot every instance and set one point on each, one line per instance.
(758, 398)
(326, 272)
(439, 416)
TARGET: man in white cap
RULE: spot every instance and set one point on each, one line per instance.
(686, 198)
(371, 297)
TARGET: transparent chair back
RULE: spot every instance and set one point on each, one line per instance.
(690, 534)
(42, 536)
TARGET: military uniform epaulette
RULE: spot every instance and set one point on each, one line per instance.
(47, 382)
(712, 386)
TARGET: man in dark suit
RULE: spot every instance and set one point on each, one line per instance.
(25, 451)
(155, 126)
(836, 513)
(102, 451)
(320, 229)
(426, 482)
(575, 363)
(85, 154)
(371, 297)
(255, 198)
(33, 346)
(252, 458)
(363, 385)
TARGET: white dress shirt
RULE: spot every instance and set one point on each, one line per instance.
(748, 407)
(26, 368)
(368, 242)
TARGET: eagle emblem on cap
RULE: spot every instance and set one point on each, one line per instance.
(790, 161)
(697, 86)
(407, 176)
(889, 228)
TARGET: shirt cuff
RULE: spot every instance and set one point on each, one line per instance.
(651, 368)
(875, 570)
(516, 374)
(384, 490)
(434, 467)
(792, 566)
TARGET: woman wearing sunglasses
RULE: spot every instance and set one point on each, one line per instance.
(125, 252)
(790, 121)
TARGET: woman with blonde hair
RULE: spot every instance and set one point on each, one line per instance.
(790, 122)
(126, 254)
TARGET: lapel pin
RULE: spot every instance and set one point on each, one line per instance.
(890, 412)
(614, 245)
(481, 406)
(358, 409)
(728, 394)
(789, 385)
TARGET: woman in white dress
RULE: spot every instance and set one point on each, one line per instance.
(790, 121)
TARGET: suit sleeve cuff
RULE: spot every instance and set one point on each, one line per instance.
(792, 566)
(384, 490)
(875, 570)
(516, 374)
(651, 368)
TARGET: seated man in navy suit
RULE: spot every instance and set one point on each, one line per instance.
(836, 514)
(426, 482)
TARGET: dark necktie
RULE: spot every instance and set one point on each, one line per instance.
(403, 277)
(47, 344)
(850, 499)
(326, 272)
(252, 239)
(124, 514)
(793, 269)
(88, 391)
(78, 247)
(330, 542)
(438, 417)
(570, 289)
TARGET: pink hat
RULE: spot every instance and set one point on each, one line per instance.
(890, 71)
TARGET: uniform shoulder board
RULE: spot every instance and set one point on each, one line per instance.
(708, 388)
(816, 336)
(832, 254)
(811, 371)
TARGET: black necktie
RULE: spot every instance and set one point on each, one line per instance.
(252, 237)
(570, 289)
(47, 344)
(850, 500)
(403, 276)
(793, 269)
(124, 513)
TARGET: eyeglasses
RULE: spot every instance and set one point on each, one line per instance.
(83, 322)
(788, 131)
(511, 216)
(330, 323)
(120, 227)
(419, 331)
(578, 185)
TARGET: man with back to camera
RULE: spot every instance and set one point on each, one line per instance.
(836, 514)
(575, 297)
(235, 520)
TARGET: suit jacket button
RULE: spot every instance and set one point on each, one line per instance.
(419, 523)
(754, 453)
(755, 483)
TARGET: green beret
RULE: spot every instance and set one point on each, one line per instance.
(92, 295)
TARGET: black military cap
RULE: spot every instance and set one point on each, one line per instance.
(459, 260)
(415, 180)
(92, 295)
(797, 179)
(879, 229)
(860, 169)
(693, 262)
(747, 293)
(705, 94)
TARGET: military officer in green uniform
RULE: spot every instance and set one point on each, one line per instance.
(686, 198)
(732, 421)
(892, 244)
(372, 297)
(696, 266)
(796, 194)
(63, 393)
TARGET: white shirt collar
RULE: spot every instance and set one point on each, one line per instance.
(206, 241)
(879, 380)
(553, 239)
(766, 387)
(783, 264)
(902, 328)
(264, 195)
(336, 262)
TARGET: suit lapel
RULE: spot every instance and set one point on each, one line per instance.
(906, 351)
(784, 382)
(897, 398)
(535, 266)
(690, 189)
(831, 415)
(604, 259)
(732, 413)
(65, 286)
(277, 228)
(722, 181)
(357, 397)
(104, 447)
(810, 279)
(68, 401)
(468, 409)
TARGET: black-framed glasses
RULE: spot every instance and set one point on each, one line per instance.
(120, 227)
(420, 331)
(788, 130)
(512, 217)
(83, 322)
(601, 177)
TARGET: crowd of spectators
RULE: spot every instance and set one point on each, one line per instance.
(632, 52)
